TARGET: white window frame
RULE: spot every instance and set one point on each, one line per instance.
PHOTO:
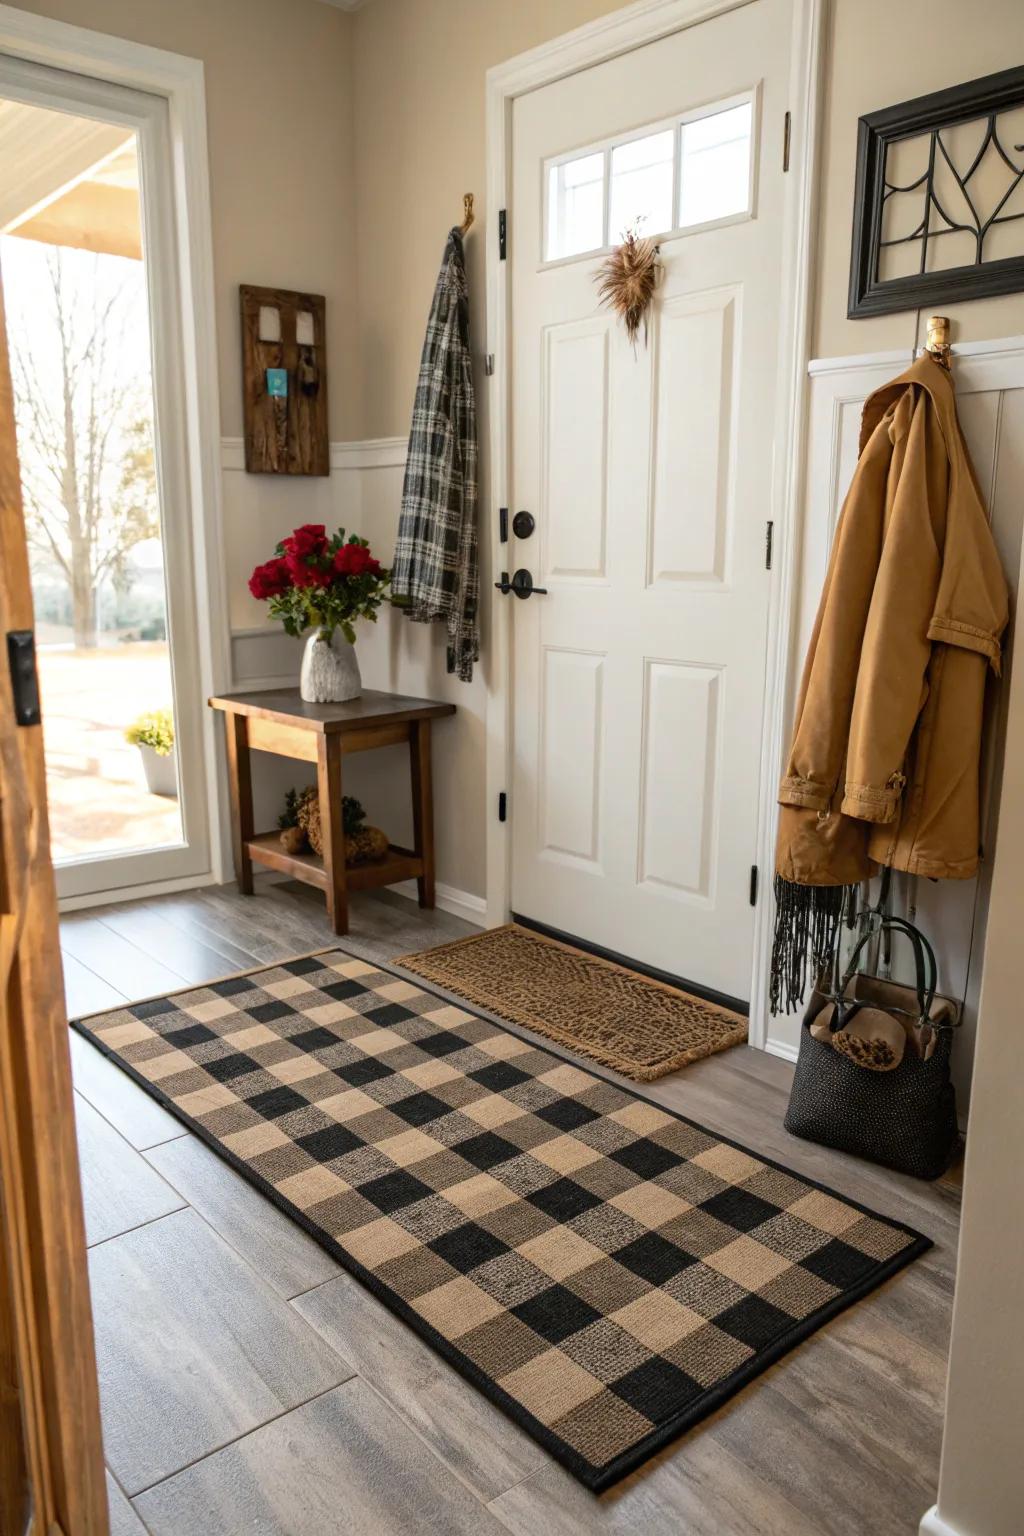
(106, 60)
(608, 37)
(675, 123)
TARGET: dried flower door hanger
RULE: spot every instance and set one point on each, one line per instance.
(627, 280)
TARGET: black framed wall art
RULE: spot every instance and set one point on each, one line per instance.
(939, 202)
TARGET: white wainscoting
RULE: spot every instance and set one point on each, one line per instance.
(990, 391)
(362, 494)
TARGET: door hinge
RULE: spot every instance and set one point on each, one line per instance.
(787, 137)
(502, 806)
(502, 234)
(489, 364)
(503, 525)
(769, 544)
(21, 660)
(753, 885)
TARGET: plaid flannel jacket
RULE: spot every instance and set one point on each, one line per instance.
(435, 573)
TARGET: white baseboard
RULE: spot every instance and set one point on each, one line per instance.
(782, 1048)
(472, 909)
(932, 1524)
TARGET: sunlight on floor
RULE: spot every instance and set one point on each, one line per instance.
(99, 802)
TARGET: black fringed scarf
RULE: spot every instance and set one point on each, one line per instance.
(807, 920)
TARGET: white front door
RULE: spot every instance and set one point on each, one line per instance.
(639, 675)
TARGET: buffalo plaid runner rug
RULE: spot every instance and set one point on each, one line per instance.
(605, 1271)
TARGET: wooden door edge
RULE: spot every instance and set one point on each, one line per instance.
(43, 1227)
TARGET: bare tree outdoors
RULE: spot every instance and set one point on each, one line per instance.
(85, 425)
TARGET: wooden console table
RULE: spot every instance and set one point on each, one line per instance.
(280, 721)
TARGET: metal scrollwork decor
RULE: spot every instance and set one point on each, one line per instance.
(939, 202)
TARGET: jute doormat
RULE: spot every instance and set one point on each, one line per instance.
(608, 1273)
(626, 1021)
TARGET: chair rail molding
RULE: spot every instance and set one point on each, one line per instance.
(361, 453)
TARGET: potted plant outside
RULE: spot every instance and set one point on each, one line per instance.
(153, 734)
(319, 587)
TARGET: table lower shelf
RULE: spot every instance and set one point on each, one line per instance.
(398, 864)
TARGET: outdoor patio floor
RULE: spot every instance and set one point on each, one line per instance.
(99, 803)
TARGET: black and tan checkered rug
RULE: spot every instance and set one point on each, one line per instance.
(605, 1271)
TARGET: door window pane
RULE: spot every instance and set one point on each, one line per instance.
(575, 206)
(641, 185)
(715, 166)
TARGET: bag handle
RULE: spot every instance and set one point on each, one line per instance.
(925, 969)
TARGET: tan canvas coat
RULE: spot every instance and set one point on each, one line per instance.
(884, 764)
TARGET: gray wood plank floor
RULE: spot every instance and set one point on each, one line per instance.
(249, 1386)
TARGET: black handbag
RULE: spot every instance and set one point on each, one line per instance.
(904, 1115)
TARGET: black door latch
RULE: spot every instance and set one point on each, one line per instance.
(21, 658)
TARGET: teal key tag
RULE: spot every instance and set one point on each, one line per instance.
(277, 383)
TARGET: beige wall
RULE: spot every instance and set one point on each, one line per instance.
(341, 145)
(882, 52)
(279, 108)
(419, 145)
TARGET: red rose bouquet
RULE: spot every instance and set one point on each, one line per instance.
(316, 582)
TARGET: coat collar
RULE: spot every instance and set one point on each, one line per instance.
(924, 373)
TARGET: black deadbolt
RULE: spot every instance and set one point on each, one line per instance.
(523, 524)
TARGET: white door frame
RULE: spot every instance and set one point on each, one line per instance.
(180, 80)
(645, 22)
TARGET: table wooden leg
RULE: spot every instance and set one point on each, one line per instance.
(332, 829)
(423, 808)
(240, 786)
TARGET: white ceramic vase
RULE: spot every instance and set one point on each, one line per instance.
(330, 670)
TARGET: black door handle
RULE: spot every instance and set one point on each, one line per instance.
(521, 584)
(21, 658)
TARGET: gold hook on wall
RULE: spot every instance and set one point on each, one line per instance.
(937, 339)
(467, 212)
